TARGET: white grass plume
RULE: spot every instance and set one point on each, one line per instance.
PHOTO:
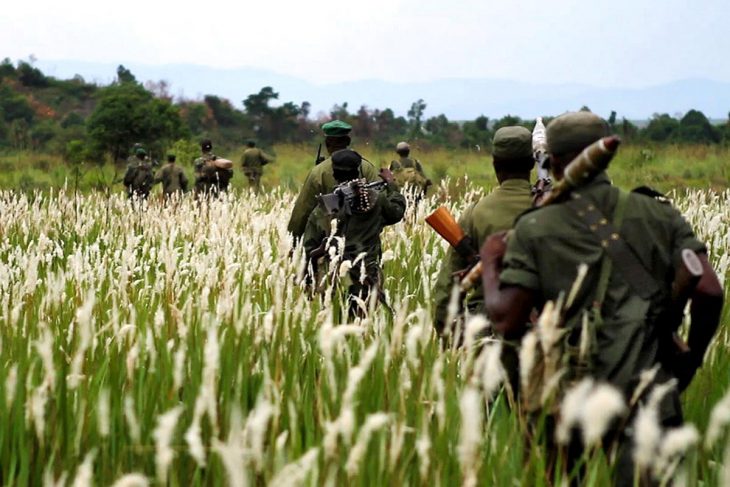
(163, 434)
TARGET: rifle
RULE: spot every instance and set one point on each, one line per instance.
(539, 151)
(589, 163)
(351, 196)
(443, 222)
(319, 157)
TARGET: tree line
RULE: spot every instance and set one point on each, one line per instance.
(86, 121)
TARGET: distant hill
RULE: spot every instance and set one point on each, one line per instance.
(459, 99)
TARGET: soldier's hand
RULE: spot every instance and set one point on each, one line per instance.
(494, 247)
(386, 175)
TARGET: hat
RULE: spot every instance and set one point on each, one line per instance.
(401, 146)
(346, 160)
(574, 131)
(140, 152)
(171, 157)
(336, 128)
(512, 143)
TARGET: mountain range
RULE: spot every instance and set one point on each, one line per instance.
(458, 99)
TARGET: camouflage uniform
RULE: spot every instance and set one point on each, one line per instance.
(139, 178)
(253, 160)
(173, 179)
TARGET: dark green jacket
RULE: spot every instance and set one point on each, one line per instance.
(172, 178)
(361, 231)
(493, 213)
(320, 180)
(550, 243)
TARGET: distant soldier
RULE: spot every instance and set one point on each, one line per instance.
(253, 162)
(172, 177)
(139, 178)
(360, 225)
(212, 175)
(407, 171)
(321, 179)
(132, 159)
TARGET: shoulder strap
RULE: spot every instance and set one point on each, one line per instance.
(619, 251)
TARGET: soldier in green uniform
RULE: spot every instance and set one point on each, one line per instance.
(210, 179)
(138, 179)
(320, 179)
(172, 177)
(407, 170)
(361, 228)
(253, 162)
(539, 261)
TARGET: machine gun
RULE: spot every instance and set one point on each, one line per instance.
(319, 157)
(351, 197)
(539, 151)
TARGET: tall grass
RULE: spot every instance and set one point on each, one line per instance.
(175, 344)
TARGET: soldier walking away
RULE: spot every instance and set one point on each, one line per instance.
(360, 219)
(212, 174)
(172, 177)
(635, 247)
(321, 179)
(138, 179)
(253, 162)
(408, 171)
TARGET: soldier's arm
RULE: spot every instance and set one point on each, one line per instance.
(394, 205)
(183, 181)
(158, 177)
(266, 158)
(129, 176)
(419, 168)
(369, 172)
(705, 310)
(508, 306)
(303, 206)
(451, 264)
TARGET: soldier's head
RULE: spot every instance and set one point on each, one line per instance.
(206, 145)
(336, 135)
(140, 153)
(171, 158)
(346, 165)
(250, 143)
(403, 149)
(512, 153)
(570, 133)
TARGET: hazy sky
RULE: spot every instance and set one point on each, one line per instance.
(629, 43)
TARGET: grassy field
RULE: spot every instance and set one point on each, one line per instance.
(175, 346)
(665, 168)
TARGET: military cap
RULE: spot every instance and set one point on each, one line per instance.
(574, 131)
(140, 152)
(336, 128)
(171, 157)
(401, 146)
(512, 143)
(346, 160)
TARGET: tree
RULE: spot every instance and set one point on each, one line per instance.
(661, 128)
(415, 116)
(127, 113)
(695, 128)
(31, 76)
(124, 75)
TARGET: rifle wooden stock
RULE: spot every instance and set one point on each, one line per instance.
(445, 225)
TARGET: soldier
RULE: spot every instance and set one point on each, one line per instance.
(320, 179)
(172, 177)
(407, 170)
(138, 179)
(628, 292)
(253, 161)
(210, 176)
(361, 229)
(512, 162)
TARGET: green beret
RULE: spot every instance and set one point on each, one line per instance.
(336, 128)
(574, 131)
(512, 143)
(140, 152)
(346, 160)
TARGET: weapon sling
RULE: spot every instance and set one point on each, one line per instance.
(621, 254)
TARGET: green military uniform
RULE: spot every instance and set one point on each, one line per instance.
(321, 180)
(493, 213)
(548, 245)
(208, 178)
(173, 179)
(138, 179)
(362, 235)
(253, 161)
